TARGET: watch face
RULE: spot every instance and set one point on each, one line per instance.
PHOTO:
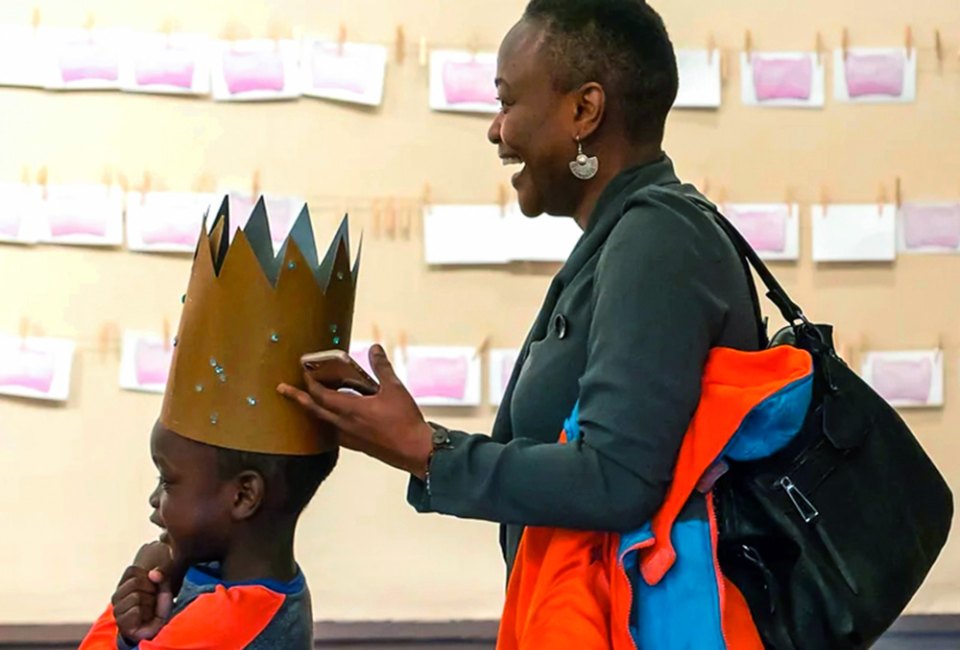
(440, 437)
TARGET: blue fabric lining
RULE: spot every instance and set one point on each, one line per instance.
(209, 575)
(773, 423)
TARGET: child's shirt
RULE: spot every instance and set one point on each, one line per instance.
(212, 613)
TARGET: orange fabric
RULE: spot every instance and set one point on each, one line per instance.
(225, 619)
(734, 383)
(567, 590)
(103, 634)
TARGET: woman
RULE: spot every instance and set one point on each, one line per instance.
(627, 323)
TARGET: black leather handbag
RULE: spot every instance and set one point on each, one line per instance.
(830, 538)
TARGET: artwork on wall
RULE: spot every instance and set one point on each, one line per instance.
(782, 79)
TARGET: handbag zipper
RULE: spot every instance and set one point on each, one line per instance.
(809, 514)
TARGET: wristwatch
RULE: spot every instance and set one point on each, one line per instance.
(440, 439)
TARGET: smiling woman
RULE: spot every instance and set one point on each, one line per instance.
(623, 336)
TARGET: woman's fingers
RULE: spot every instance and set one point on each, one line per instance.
(309, 403)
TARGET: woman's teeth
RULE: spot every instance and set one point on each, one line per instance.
(513, 160)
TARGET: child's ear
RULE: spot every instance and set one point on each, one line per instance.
(249, 494)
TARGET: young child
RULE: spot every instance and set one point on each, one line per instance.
(237, 462)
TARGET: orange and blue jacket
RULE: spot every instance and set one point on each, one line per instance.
(660, 587)
(212, 614)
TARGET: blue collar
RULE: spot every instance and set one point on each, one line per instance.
(204, 575)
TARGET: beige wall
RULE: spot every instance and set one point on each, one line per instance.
(76, 477)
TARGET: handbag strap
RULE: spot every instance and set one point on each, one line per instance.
(790, 311)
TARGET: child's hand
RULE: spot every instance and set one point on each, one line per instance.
(144, 598)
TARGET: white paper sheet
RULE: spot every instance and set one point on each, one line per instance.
(463, 82)
(877, 75)
(700, 82)
(23, 58)
(145, 362)
(169, 64)
(36, 368)
(464, 235)
(84, 59)
(906, 378)
(501, 362)
(854, 233)
(539, 239)
(929, 228)
(82, 215)
(21, 208)
(256, 70)
(353, 73)
(782, 79)
(440, 376)
(772, 229)
(282, 212)
(166, 222)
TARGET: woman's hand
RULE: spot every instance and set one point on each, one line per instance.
(387, 425)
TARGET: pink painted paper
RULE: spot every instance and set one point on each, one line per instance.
(170, 67)
(782, 78)
(77, 223)
(178, 233)
(253, 71)
(281, 213)
(936, 226)
(469, 82)
(152, 362)
(29, 369)
(765, 231)
(506, 369)
(875, 74)
(10, 223)
(334, 71)
(438, 377)
(903, 380)
(85, 61)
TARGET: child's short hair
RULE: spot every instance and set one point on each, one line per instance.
(299, 476)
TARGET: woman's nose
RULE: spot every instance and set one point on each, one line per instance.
(493, 133)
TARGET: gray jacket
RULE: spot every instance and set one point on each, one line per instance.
(625, 328)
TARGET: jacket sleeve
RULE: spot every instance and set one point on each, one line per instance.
(657, 313)
(104, 634)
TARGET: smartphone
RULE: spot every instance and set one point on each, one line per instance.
(337, 369)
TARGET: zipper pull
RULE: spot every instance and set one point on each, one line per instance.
(806, 509)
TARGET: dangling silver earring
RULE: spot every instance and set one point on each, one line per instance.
(584, 167)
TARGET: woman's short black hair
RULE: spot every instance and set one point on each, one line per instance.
(621, 44)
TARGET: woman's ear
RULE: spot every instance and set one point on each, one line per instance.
(249, 493)
(591, 104)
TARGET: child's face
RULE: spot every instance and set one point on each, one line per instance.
(190, 503)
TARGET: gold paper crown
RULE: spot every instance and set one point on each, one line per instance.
(248, 316)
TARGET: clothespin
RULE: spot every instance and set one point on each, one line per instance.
(24, 332)
(482, 348)
(406, 220)
(940, 344)
(341, 39)
(473, 46)
(748, 44)
(711, 48)
(425, 196)
(42, 179)
(90, 22)
(35, 19)
(145, 187)
(824, 199)
(909, 41)
(705, 186)
(721, 198)
(401, 44)
(789, 197)
(25, 175)
(122, 182)
(108, 339)
(845, 43)
(938, 46)
(377, 214)
(375, 330)
(255, 186)
(502, 198)
(392, 218)
(422, 53)
(108, 176)
(882, 199)
(819, 48)
(402, 344)
(166, 334)
(898, 193)
(230, 32)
